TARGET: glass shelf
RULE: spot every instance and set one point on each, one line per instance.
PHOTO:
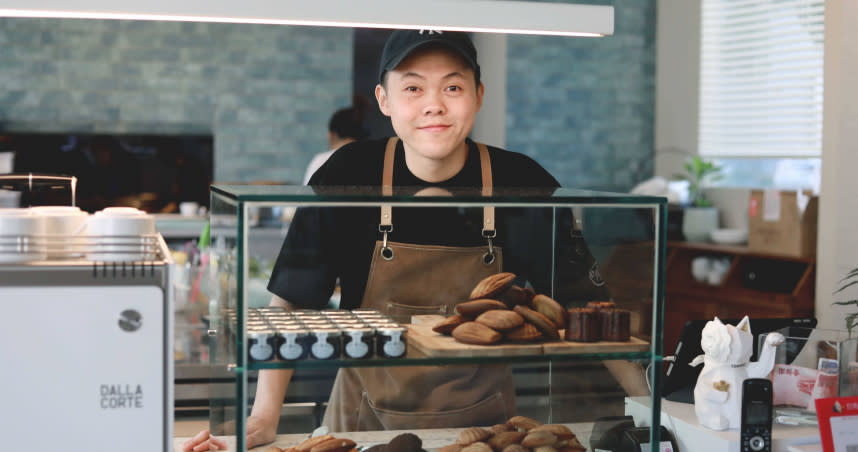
(434, 361)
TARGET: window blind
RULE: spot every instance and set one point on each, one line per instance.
(761, 66)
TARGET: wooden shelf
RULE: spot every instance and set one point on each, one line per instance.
(756, 284)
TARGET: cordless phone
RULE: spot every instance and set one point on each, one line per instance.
(756, 415)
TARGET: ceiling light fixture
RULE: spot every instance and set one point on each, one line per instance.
(490, 16)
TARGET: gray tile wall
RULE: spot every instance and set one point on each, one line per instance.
(582, 107)
(264, 92)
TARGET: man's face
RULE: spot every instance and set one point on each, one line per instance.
(432, 99)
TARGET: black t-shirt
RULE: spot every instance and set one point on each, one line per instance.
(327, 243)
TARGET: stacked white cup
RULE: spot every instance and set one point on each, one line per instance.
(21, 236)
(121, 234)
(65, 227)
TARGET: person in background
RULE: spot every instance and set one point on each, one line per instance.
(346, 125)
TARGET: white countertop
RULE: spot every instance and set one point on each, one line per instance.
(680, 419)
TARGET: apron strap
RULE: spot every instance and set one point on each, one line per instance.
(386, 223)
(488, 212)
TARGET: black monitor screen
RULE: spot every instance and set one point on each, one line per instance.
(151, 172)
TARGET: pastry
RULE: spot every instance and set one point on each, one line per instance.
(546, 306)
(476, 333)
(472, 435)
(515, 448)
(500, 319)
(477, 447)
(405, 442)
(560, 431)
(451, 448)
(616, 324)
(584, 325)
(471, 309)
(492, 286)
(542, 323)
(503, 439)
(538, 438)
(601, 304)
(515, 295)
(522, 423)
(334, 445)
(447, 325)
(525, 333)
(499, 428)
(308, 444)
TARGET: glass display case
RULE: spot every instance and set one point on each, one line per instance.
(598, 256)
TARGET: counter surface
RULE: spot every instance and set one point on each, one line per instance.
(432, 439)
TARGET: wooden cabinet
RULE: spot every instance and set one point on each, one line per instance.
(755, 284)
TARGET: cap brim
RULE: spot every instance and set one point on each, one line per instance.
(392, 64)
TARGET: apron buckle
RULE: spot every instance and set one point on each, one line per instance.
(386, 251)
(489, 257)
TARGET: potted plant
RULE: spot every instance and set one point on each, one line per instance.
(849, 280)
(700, 218)
(848, 349)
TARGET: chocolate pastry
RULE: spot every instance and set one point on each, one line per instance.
(405, 442)
(616, 324)
(584, 325)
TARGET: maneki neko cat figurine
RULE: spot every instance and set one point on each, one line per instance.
(727, 350)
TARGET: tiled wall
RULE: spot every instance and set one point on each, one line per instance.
(264, 92)
(582, 107)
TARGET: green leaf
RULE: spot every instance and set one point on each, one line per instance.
(845, 286)
(846, 303)
(852, 273)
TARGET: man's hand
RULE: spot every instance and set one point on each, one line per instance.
(203, 441)
(259, 432)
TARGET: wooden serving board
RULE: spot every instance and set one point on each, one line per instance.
(566, 347)
(432, 344)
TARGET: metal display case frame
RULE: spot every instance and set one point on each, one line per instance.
(233, 221)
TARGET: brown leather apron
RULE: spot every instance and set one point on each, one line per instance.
(406, 279)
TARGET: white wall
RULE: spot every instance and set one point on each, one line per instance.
(838, 209)
(677, 60)
(490, 123)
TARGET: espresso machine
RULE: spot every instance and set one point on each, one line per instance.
(86, 342)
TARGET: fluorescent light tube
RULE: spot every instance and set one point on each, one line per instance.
(493, 16)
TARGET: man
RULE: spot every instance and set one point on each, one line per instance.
(429, 86)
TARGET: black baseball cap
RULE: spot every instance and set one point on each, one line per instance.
(402, 42)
